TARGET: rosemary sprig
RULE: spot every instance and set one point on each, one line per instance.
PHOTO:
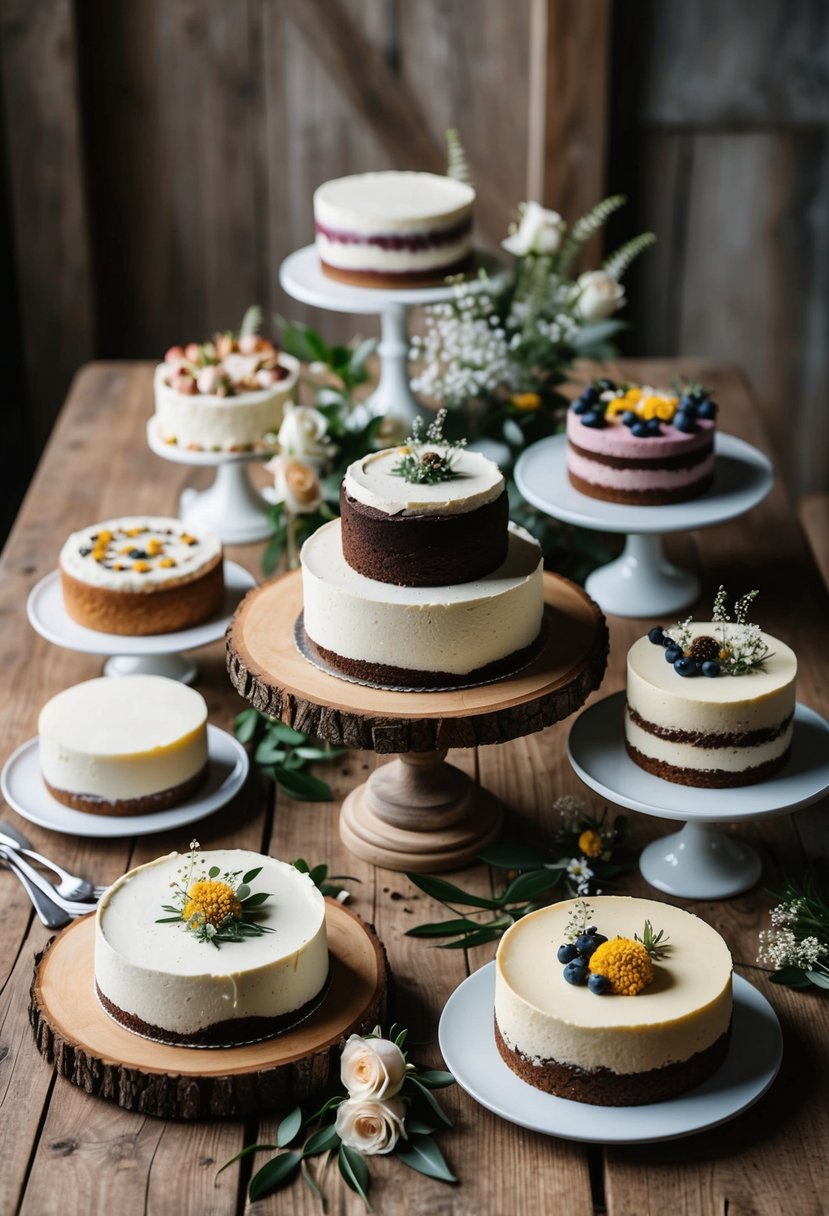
(656, 944)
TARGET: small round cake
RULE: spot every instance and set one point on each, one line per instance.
(657, 1027)
(424, 535)
(729, 730)
(124, 746)
(393, 229)
(141, 575)
(212, 949)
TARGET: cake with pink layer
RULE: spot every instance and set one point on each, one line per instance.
(641, 445)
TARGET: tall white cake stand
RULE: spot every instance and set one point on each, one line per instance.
(156, 655)
(642, 582)
(301, 277)
(699, 861)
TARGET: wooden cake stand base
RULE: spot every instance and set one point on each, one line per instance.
(418, 813)
(103, 1058)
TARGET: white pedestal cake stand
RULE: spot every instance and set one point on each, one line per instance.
(699, 861)
(642, 582)
(301, 277)
(156, 655)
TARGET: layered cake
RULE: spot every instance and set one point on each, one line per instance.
(617, 1003)
(224, 395)
(710, 703)
(212, 949)
(640, 445)
(141, 575)
(124, 746)
(393, 229)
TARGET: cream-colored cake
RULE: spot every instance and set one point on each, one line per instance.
(164, 981)
(613, 1050)
(124, 746)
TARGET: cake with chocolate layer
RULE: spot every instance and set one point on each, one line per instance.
(640, 445)
(710, 703)
(141, 575)
(213, 949)
(619, 1003)
(125, 746)
(393, 229)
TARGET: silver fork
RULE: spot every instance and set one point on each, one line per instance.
(70, 886)
(15, 860)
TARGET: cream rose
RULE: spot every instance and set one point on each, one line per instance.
(372, 1068)
(600, 295)
(303, 433)
(539, 231)
(370, 1126)
(296, 484)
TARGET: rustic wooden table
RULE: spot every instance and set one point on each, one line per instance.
(67, 1153)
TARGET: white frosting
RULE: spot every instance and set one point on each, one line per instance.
(162, 974)
(392, 202)
(371, 482)
(124, 738)
(191, 559)
(684, 1010)
(703, 759)
(455, 629)
(208, 422)
(365, 257)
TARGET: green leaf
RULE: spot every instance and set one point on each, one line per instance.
(251, 321)
(514, 857)
(415, 1127)
(818, 979)
(251, 874)
(168, 920)
(274, 1175)
(293, 762)
(285, 733)
(530, 885)
(432, 1101)
(318, 874)
(435, 1078)
(253, 901)
(300, 864)
(272, 554)
(330, 1104)
(791, 977)
(480, 938)
(242, 892)
(302, 786)
(321, 1141)
(422, 1154)
(269, 752)
(213, 872)
(355, 1172)
(446, 892)
(245, 725)
(289, 1127)
(319, 753)
(447, 928)
(360, 354)
(245, 1152)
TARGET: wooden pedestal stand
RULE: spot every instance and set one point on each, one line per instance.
(105, 1059)
(417, 813)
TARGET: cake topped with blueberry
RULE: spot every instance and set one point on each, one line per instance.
(639, 444)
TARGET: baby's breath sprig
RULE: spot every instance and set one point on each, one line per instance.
(420, 464)
(214, 906)
(741, 646)
(580, 917)
(656, 944)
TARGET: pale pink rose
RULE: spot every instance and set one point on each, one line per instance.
(370, 1126)
(296, 484)
(372, 1068)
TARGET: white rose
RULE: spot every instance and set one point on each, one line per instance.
(303, 433)
(540, 231)
(369, 1126)
(372, 1068)
(600, 295)
(296, 484)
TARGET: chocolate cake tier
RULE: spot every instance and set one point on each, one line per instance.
(710, 778)
(424, 550)
(642, 498)
(145, 805)
(603, 1087)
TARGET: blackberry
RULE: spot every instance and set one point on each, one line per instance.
(704, 648)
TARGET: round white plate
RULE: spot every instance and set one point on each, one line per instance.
(597, 753)
(467, 1043)
(22, 787)
(743, 477)
(49, 618)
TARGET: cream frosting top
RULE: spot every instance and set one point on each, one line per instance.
(137, 553)
(124, 718)
(391, 201)
(371, 482)
(127, 915)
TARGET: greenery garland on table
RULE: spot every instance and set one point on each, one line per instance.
(282, 753)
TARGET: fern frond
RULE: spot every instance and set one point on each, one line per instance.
(251, 321)
(619, 261)
(585, 227)
(458, 165)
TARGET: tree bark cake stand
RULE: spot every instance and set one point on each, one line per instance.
(86, 1046)
(417, 813)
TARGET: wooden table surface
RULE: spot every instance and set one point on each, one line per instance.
(64, 1152)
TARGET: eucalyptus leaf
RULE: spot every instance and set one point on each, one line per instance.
(245, 1152)
(242, 892)
(446, 892)
(319, 753)
(530, 885)
(274, 1175)
(435, 1078)
(245, 725)
(285, 733)
(480, 938)
(251, 874)
(446, 928)
(791, 977)
(321, 1141)
(355, 1172)
(253, 901)
(269, 752)
(289, 1127)
(818, 979)
(302, 786)
(421, 1153)
(431, 1101)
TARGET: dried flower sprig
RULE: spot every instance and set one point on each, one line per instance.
(420, 463)
(215, 906)
(796, 946)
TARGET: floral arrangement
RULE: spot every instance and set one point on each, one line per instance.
(587, 854)
(215, 907)
(621, 967)
(232, 362)
(388, 1108)
(282, 753)
(737, 649)
(796, 946)
(420, 464)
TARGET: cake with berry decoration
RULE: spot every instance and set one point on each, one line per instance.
(393, 229)
(211, 949)
(640, 445)
(619, 1002)
(711, 703)
(224, 395)
(141, 575)
(126, 746)
(423, 583)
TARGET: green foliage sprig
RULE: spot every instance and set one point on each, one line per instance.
(232, 886)
(322, 880)
(657, 944)
(421, 464)
(796, 947)
(283, 753)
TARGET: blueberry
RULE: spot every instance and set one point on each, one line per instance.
(688, 404)
(710, 668)
(586, 943)
(567, 953)
(672, 653)
(589, 395)
(629, 418)
(686, 667)
(576, 972)
(640, 430)
(607, 386)
(656, 636)
(593, 418)
(668, 640)
(685, 422)
(580, 406)
(708, 410)
(598, 984)
(654, 426)
(591, 929)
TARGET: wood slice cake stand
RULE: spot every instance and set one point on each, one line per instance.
(418, 812)
(105, 1059)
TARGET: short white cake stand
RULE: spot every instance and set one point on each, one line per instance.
(230, 508)
(642, 582)
(301, 277)
(156, 655)
(699, 861)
